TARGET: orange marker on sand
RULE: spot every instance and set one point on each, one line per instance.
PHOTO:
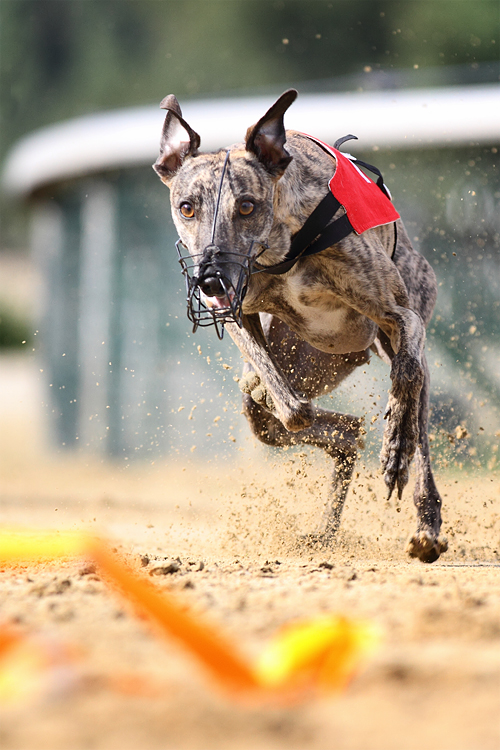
(318, 653)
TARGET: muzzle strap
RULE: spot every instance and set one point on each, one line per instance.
(217, 204)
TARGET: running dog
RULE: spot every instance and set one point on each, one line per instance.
(309, 280)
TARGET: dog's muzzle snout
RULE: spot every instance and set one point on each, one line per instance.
(211, 286)
(216, 280)
(210, 278)
(216, 284)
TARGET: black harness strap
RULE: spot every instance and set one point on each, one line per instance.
(395, 241)
(380, 180)
(314, 224)
(332, 234)
(316, 235)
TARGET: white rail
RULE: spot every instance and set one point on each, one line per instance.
(433, 117)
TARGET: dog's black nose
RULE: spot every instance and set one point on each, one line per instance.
(211, 286)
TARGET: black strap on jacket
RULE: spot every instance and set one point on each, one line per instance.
(313, 237)
(318, 233)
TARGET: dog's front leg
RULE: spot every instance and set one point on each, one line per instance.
(370, 283)
(407, 375)
(294, 413)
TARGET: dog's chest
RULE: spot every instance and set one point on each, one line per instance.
(318, 316)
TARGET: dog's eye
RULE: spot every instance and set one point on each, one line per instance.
(187, 210)
(246, 208)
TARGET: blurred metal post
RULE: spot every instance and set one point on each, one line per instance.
(98, 244)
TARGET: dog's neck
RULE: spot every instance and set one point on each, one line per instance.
(297, 193)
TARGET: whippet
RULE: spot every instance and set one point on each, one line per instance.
(309, 267)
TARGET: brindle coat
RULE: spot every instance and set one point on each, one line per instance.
(304, 331)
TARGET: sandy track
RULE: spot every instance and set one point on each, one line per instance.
(434, 681)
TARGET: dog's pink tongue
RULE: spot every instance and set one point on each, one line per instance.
(219, 302)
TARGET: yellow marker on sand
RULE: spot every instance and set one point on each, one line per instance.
(322, 653)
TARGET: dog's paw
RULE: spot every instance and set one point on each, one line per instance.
(297, 416)
(250, 383)
(427, 546)
(293, 413)
(398, 445)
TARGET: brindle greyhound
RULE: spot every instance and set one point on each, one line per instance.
(303, 327)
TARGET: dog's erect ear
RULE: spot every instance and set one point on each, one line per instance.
(267, 139)
(178, 140)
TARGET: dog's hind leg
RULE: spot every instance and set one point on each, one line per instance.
(420, 281)
(339, 435)
(426, 544)
(344, 456)
(310, 373)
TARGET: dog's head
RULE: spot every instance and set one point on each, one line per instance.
(222, 206)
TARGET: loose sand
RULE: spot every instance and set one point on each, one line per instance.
(235, 529)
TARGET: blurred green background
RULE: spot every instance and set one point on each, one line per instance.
(65, 58)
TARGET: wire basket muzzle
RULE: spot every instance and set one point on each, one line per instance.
(217, 311)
